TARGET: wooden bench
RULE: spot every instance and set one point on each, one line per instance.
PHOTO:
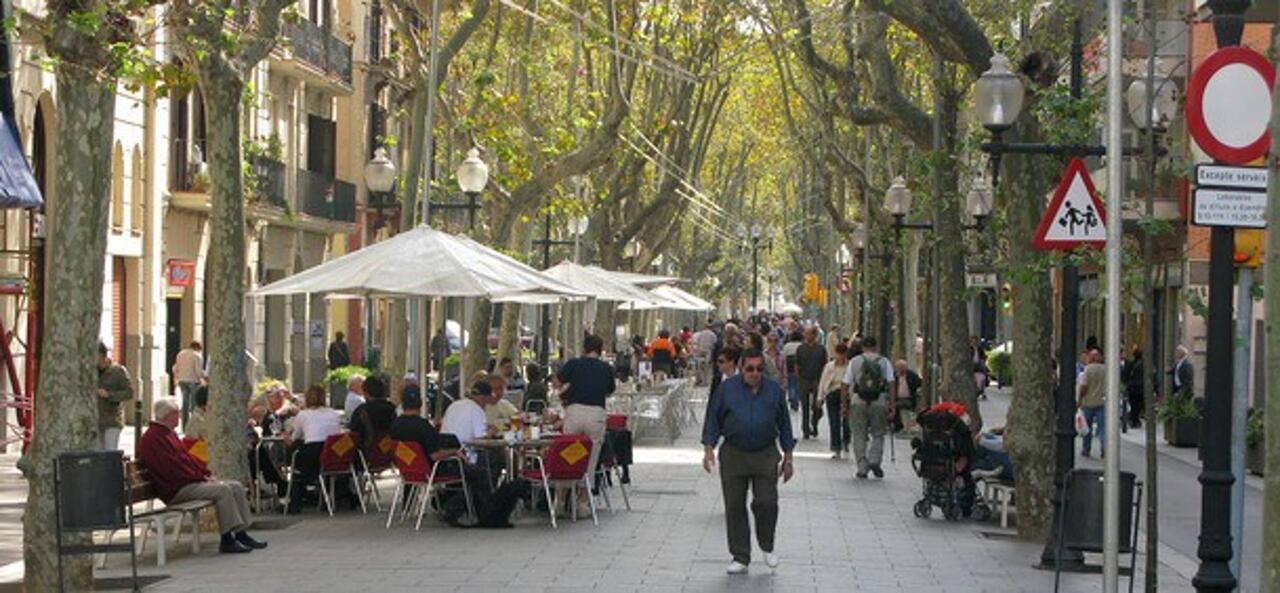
(143, 492)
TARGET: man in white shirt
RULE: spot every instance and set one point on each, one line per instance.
(188, 372)
(355, 395)
(868, 399)
(465, 418)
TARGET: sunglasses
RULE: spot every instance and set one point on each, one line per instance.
(752, 369)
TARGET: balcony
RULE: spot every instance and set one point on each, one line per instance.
(317, 56)
(269, 189)
(324, 197)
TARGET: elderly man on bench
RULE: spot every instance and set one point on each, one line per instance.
(179, 477)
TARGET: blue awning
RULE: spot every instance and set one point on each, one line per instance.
(17, 187)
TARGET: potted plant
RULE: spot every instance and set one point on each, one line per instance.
(1001, 365)
(1181, 419)
(1255, 458)
(337, 381)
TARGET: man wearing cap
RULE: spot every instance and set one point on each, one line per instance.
(465, 418)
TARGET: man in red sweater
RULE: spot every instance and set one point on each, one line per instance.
(179, 477)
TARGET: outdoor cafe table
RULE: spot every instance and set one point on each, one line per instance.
(502, 445)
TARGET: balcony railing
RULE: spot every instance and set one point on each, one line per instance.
(325, 197)
(269, 174)
(319, 48)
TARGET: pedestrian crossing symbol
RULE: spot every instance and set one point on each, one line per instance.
(1075, 215)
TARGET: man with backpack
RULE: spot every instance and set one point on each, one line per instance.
(865, 391)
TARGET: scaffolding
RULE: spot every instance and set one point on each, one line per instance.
(19, 286)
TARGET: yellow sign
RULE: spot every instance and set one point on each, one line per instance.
(574, 453)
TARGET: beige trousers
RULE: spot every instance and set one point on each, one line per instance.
(589, 421)
(228, 497)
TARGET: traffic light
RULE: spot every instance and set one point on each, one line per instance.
(811, 287)
(1006, 297)
(1249, 248)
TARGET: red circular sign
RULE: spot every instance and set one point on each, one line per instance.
(1226, 115)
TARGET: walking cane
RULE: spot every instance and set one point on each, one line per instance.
(893, 456)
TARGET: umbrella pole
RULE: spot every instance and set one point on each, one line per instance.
(367, 341)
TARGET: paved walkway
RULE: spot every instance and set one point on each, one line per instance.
(835, 534)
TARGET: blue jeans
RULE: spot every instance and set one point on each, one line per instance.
(1096, 419)
(793, 392)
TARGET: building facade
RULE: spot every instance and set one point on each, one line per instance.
(309, 130)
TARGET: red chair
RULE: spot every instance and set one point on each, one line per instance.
(419, 477)
(336, 460)
(565, 463)
(377, 460)
(197, 448)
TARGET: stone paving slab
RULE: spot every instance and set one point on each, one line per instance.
(835, 534)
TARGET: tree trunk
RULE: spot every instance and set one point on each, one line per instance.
(228, 385)
(1271, 444)
(476, 353)
(509, 334)
(953, 330)
(1030, 420)
(66, 418)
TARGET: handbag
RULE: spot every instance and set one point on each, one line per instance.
(1082, 424)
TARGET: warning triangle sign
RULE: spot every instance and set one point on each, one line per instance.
(1075, 215)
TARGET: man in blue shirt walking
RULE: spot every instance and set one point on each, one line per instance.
(749, 411)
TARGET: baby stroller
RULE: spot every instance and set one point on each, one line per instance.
(941, 459)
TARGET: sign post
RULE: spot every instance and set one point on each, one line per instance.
(1228, 110)
(1075, 217)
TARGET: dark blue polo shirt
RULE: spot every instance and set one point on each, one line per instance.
(749, 421)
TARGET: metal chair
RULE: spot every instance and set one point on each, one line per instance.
(566, 463)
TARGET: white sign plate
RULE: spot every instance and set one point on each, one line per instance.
(980, 280)
(1230, 207)
(1232, 177)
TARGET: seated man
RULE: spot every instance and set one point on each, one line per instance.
(465, 419)
(413, 428)
(499, 411)
(179, 477)
(990, 460)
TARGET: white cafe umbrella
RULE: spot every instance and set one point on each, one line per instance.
(421, 262)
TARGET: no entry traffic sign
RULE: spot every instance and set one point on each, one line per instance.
(1075, 216)
(1229, 105)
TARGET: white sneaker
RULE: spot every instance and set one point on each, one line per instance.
(771, 560)
(736, 567)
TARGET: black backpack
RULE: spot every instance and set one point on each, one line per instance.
(493, 510)
(870, 381)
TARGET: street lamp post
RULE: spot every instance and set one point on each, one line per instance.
(380, 178)
(999, 95)
(577, 228)
(898, 202)
(472, 176)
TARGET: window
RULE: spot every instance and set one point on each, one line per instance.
(117, 188)
(137, 196)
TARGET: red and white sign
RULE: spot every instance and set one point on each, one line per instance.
(1229, 105)
(181, 273)
(1075, 215)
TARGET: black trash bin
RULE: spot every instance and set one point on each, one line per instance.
(90, 495)
(1080, 525)
(1082, 529)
